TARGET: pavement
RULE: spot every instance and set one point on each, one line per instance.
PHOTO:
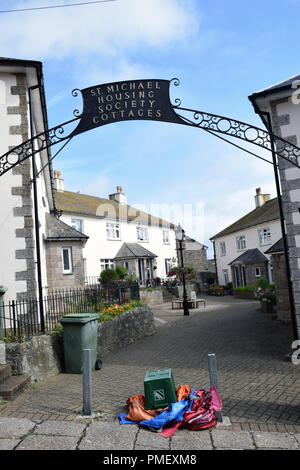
(258, 387)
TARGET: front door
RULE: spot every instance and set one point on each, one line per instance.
(141, 271)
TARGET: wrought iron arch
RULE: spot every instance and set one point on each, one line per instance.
(166, 112)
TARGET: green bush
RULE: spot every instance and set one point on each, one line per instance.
(121, 272)
(262, 282)
(249, 288)
(108, 275)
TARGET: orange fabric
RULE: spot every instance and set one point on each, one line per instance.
(136, 405)
(183, 392)
(137, 411)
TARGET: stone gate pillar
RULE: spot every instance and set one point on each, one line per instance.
(283, 104)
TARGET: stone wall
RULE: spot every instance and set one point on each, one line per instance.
(281, 287)
(153, 297)
(25, 210)
(42, 356)
(56, 278)
(125, 329)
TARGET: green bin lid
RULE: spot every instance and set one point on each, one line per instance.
(78, 317)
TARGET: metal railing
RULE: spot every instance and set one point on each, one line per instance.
(21, 319)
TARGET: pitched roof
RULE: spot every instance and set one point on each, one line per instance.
(283, 85)
(266, 213)
(276, 248)
(250, 257)
(92, 206)
(133, 251)
(58, 230)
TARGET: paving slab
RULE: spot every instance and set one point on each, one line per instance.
(191, 440)
(44, 442)
(109, 436)
(150, 440)
(273, 440)
(15, 427)
(8, 444)
(234, 440)
(60, 428)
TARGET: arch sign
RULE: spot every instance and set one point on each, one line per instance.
(144, 100)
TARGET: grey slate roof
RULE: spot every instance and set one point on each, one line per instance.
(252, 256)
(58, 230)
(284, 84)
(268, 212)
(133, 251)
(276, 248)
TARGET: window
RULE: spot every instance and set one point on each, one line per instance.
(168, 265)
(241, 243)
(112, 231)
(223, 248)
(142, 234)
(67, 260)
(166, 238)
(257, 272)
(264, 236)
(107, 264)
(226, 278)
(77, 224)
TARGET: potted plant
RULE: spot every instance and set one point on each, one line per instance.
(265, 293)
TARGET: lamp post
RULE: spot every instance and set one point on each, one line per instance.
(179, 234)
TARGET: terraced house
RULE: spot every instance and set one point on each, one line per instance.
(119, 234)
(241, 249)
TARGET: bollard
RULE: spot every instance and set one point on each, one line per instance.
(2, 321)
(212, 366)
(86, 377)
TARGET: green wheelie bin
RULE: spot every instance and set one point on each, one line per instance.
(80, 331)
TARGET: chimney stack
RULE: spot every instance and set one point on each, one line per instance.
(58, 182)
(261, 199)
(119, 196)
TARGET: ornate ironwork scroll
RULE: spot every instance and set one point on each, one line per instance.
(40, 142)
(241, 130)
(144, 100)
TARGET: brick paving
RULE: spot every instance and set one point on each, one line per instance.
(259, 389)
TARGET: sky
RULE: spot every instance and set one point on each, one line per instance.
(222, 52)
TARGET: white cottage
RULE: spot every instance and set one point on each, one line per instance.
(119, 234)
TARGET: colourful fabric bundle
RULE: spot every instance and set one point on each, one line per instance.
(193, 410)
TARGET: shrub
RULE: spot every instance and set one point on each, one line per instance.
(262, 282)
(249, 288)
(108, 275)
(121, 272)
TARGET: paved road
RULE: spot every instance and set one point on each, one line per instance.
(260, 391)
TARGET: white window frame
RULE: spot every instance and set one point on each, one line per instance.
(168, 265)
(106, 263)
(142, 233)
(226, 276)
(264, 236)
(257, 274)
(68, 249)
(166, 237)
(77, 224)
(113, 231)
(223, 248)
(241, 243)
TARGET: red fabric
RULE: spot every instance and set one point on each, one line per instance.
(200, 417)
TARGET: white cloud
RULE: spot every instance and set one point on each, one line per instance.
(100, 187)
(105, 30)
